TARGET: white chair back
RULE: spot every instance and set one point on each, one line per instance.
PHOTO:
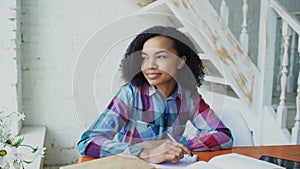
(234, 120)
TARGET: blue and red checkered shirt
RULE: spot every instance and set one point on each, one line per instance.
(137, 114)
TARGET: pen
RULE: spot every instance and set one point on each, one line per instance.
(170, 136)
(173, 139)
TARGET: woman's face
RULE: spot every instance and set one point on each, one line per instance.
(160, 61)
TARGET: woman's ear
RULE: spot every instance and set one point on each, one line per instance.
(181, 62)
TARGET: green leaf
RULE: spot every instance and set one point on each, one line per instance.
(19, 142)
(28, 162)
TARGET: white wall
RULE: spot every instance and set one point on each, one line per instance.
(53, 33)
(8, 63)
(8, 59)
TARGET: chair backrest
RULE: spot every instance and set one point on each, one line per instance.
(235, 121)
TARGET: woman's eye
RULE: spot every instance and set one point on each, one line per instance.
(161, 56)
(144, 58)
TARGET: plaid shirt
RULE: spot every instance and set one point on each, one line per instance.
(139, 114)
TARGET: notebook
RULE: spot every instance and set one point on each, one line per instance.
(289, 164)
(184, 162)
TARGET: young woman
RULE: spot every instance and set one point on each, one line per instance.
(162, 73)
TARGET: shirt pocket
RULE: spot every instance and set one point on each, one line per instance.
(147, 131)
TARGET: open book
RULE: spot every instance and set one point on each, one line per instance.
(118, 161)
(183, 163)
(233, 161)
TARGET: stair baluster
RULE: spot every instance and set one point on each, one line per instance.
(244, 38)
(224, 11)
(290, 82)
(296, 129)
(279, 72)
(282, 108)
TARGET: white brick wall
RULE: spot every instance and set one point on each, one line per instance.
(8, 64)
(53, 33)
(8, 60)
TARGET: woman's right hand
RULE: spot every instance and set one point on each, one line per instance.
(163, 150)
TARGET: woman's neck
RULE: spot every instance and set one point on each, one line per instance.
(166, 90)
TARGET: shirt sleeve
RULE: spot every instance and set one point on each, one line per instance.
(211, 133)
(98, 141)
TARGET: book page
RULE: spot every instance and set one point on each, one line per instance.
(237, 161)
(186, 161)
(202, 165)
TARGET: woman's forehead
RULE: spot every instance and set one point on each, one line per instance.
(159, 43)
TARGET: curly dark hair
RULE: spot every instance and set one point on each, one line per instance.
(189, 76)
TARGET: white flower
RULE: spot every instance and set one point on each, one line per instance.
(3, 162)
(39, 152)
(17, 164)
(13, 153)
(21, 115)
(16, 116)
(8, 155)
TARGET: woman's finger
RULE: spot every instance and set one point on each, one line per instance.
(185, 149)
(178, 154)
(172, 157)
(180, 147)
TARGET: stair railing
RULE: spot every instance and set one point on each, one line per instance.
(296, 129)
(244, 37)
(252, 83)
(290, 26)
(290, 31)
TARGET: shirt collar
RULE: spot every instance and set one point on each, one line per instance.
(174, 95)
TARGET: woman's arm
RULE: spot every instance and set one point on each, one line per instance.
(212, 133)
(98, 141)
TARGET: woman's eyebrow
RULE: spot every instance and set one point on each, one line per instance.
(157, 52)
(162, 51)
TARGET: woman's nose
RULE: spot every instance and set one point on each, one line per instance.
(151, 64)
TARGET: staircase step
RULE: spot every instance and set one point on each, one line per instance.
(218, 88)
(216, 80)
(197, 47)
(203, 56)
(160, 7)
(157, 6)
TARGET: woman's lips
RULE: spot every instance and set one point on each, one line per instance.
(153, 75)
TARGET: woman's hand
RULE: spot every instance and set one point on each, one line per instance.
(162, 150)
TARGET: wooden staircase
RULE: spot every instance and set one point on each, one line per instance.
(232, 79)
